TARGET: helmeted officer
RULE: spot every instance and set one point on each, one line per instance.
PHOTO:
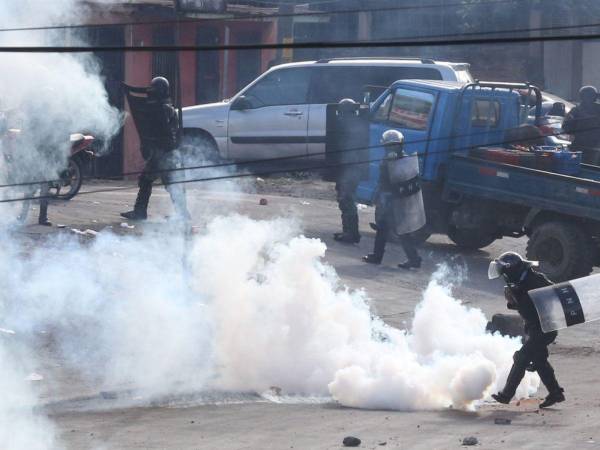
(347, 176)
(399, 205)
(521, 277)
(158, 129)
(583, 123)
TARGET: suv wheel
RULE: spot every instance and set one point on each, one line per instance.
(198, 148)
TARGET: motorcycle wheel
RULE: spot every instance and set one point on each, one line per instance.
(72, 178)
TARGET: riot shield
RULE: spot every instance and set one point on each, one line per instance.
(346, 142)
(566, 304)
(149, 119)
(407, 197)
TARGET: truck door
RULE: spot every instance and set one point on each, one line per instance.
(405, 110)
(270, 119)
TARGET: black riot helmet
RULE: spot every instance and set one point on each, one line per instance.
(511, 266)
(159, 88)
(347, 106)
(588, 94)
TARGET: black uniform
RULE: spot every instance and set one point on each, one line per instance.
(159, 151)
(385, 222)
(348, 131)
(583, 122)
(534, 352)
(345, 187)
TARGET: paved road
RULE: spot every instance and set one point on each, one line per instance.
(86, 420)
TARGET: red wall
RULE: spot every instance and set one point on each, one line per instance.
(138, 72)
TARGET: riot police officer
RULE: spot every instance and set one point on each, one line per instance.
(583, 123)
(347, 176)
(158, 126)
(521, 277)
(399, 201)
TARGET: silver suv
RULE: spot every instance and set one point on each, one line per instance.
(283, 112)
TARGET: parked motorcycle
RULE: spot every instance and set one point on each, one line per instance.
(72, 177)
(69, 181)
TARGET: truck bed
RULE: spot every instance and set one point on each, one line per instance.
(577, 196)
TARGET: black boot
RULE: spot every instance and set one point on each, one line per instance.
(500, 397)
(372, 258)
(410, 249)
(553, 398)
(44, 200)
(338, 236)
(516, 374)
(379, 248)
(350, 235)
(43, 216)
(555, 392)
(135, 215)
(347, 238)
(141, 203)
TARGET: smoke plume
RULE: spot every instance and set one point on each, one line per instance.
(246, 306)
(47, 96)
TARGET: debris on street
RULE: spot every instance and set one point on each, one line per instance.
(351, 441)
(470, 441)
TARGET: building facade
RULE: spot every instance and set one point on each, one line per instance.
(205, 76)
(208, 76)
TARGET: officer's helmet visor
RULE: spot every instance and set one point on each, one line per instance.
(494, 270)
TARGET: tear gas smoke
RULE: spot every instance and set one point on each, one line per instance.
(256, 307)
(47, 96)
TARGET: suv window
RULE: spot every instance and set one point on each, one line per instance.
(407, 109)
(333, 83)
(485, 113)
(281, 87)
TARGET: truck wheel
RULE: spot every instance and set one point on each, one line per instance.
(563, 250)
(470, 239)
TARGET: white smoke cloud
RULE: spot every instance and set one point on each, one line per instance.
(48, 96)
(246, 306)
(445, 359)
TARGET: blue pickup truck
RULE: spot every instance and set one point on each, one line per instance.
(476, 200)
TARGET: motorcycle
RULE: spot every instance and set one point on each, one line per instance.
(72, 176)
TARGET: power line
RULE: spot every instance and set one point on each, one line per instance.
(270, 172)
(425, 41)
(270, 160)
(259, 17)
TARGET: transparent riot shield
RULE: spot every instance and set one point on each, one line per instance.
(566, 304)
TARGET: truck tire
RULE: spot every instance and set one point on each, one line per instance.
(470, 239)
(563, 249)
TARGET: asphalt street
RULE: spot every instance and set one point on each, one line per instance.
(88, 419)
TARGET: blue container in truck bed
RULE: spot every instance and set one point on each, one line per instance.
(475, 200)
